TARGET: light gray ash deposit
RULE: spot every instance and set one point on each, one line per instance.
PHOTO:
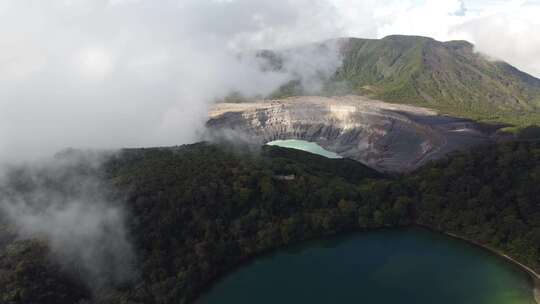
(387, 137)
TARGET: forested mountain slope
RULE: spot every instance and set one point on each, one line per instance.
(448, 76)
(199, 210)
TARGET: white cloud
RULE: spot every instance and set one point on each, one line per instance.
(432, 19)
(74, 212)
(113, 73)
(510, 34)
(109, 73)
(507, 30)
(95, 62)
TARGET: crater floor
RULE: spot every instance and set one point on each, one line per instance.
(387, 137)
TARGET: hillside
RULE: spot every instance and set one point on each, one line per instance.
(447, 76)
(197, 211)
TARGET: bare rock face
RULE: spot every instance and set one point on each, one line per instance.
(387, 137)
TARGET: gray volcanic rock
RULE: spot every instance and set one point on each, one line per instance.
(384, 136)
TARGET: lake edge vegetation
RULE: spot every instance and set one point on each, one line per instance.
(197, 211)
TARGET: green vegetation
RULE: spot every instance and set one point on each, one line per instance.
(489, 196)
(27, 275)
(447, 76)
(197, 211)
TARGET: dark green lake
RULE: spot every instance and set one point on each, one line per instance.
(395, 266)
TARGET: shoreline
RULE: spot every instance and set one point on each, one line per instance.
(535, 277)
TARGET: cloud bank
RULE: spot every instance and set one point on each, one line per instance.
(64, 202)
(124, 73)
(504, 29)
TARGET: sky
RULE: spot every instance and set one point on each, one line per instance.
(105, 74)
(507, 30)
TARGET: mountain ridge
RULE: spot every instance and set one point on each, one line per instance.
(450, 76)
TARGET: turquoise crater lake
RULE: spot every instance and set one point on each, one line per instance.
(304, 146)
(385, 266)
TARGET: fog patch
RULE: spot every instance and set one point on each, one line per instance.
(310, 66)
(117, 74)
(66, 203)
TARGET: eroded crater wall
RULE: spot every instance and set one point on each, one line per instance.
(387, 137)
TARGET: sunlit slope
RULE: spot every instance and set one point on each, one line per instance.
(448, 76)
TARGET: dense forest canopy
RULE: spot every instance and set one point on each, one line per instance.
(197, 211)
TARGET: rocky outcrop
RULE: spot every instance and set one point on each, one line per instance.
(387, 137)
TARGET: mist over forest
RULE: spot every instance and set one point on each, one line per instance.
(114, 188)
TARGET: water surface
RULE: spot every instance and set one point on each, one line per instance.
(413, 266)
(304, 146)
